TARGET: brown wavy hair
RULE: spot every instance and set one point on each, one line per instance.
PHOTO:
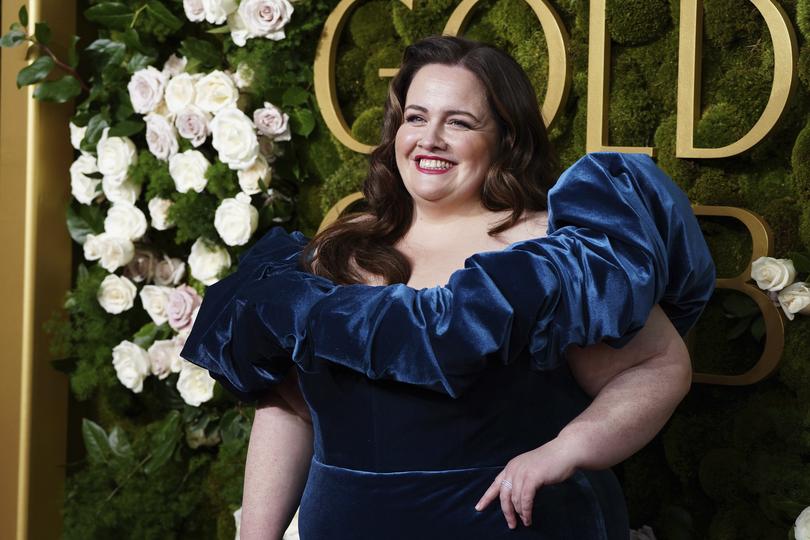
(522, 172)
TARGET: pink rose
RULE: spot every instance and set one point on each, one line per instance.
(183, 304)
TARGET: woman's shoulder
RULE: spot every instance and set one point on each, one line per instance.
(531, 224)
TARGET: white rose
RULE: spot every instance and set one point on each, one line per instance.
(112, 252)
(84, 188)
(159, 213)
(272, 122)
(801, 530)
(131, 365)
(236, 219)
(773, 274)
(155, 299)
(142, 266)
(76, 135)
(116, 294)
(243, 76)
(237, 517)
(126, 191)
(234, 137)
(180, 92)
(115, 155)
(252, 178)
(260, 18)
(215, 91)
(192, 124)
(187, 169)
(164, 354)
(161, 136)
(207, 261)
(146, 89)
(195, 385)
(174, 65)
(644, 533)
(216, 11)
(794, 299)
(125, 220)
(195, 12)
(169, 271)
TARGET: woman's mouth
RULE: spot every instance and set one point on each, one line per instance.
(432, 165)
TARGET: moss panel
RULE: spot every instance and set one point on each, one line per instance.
(800, 160)
(427, 18)
(371, 23)
(634, 22)
(683, 171)
(376, 87)
(727, 22)
(716, 187)
(804, 65)
(783, 216)
(344, 181)
(513, 20)
(714, 349)
(366, 128)
(803, 17)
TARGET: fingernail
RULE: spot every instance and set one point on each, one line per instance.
(478, 507)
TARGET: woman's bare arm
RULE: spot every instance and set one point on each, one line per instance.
(637, 388)
(277, 465)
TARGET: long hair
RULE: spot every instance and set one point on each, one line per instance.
(519, 177)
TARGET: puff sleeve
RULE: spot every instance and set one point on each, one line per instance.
(622, 238)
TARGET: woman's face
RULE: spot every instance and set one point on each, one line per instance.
(447, 139)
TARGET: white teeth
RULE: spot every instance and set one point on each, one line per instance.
(436, 164)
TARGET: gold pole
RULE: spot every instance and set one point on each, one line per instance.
(34, 162)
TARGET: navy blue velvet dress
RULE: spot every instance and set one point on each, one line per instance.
(419, 398)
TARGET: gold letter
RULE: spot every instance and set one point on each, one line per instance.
(324, 76)
(559, 72)
(596, 135)
(784, 80)
(762, 240)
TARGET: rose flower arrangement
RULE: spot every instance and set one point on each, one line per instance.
(194, 121)
(777, 277)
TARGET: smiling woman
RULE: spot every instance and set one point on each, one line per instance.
(426, 406)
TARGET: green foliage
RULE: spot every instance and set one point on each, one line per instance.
(153, 174)
(721, 124)
(682, 171)
(800, 160)
(803, 17)
(347, 179)
(222, 181)
(376, 87)
(803, 67)
(783, 217)
(371, 24)
(192, 212)
(367, 127)
(716, 187)
(726, 22)
(427, 18)
(636, 22)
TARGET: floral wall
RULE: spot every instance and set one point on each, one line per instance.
(196, 130)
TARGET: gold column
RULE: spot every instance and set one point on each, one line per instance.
(35, 154)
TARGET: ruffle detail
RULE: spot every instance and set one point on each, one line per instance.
(622, 237)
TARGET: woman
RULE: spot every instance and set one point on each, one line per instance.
(459, 180)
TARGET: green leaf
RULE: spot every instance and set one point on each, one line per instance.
(739, 305)
(105, 52)
(95, 441)
(23, 15)
(95, 128)
(219, 30)
(133, 42)
(87, 219)
(758, 328)
(65, 365)
(113, 15)
(162, 14)
(12, 38)
(119, 444)
(72, 56)
(739, 328)
(233, 426)
(294, 96)
(205, 52)
(37, 71)
(139, 61)
(127, 128)
(60, 90)
(801, 261)
(42, 32)
(302, 121)
(149, 333)
(164, 442)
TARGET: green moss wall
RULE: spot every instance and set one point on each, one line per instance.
(733, 463)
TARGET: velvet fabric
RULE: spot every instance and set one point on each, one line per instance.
(419, 397)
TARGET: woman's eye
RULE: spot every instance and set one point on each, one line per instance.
(414, 118)
(459, 123)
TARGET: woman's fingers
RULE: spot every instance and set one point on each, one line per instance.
(507, 506)
(527, 501)
(491, 493)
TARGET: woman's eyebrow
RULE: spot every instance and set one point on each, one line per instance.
(450, 112)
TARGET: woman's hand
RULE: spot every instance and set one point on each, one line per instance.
(518, 482)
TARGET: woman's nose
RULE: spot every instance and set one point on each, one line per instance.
(432, 137)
